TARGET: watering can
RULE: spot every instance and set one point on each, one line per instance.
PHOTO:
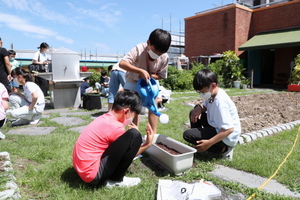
(148, 92)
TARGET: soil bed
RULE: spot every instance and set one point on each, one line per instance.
(166, 148)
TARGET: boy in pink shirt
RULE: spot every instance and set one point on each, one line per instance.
(104, 150)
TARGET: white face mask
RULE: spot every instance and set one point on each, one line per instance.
(127, 121)
(152, 54)
(15, 80)
(205, 96)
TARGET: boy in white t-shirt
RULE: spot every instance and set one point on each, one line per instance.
(215, 124)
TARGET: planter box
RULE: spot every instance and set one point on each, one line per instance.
(294, 88)
(176, 164)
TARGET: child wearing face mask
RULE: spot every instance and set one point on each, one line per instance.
(105, 149)
(215, 124)
(27, 107)
(14, 64)
(147, 60)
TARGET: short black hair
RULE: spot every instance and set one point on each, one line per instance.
(110, 67)
(160, 39)
(204, 78)
(20, 71)
(11, 52)
(43, 45)
(103, 72)
(128, 99)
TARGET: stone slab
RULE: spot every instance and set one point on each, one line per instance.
(31, 131)
(78, 129)
(76, 113)
(252, 181)
(68, 121)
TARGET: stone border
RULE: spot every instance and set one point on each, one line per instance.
(249, 137)
(12, 190)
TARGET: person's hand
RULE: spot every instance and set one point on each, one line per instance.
(156, 77)
(9, 78)
(158, 99)
(150, 134)
(30, 107)
(202, 145)
(132, 125)
(196, 114)
(145, 75)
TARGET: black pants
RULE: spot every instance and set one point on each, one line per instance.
(201, 130)
(2, 122)
(42, 83)
(118, 156)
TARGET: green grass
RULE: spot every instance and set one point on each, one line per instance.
(48, 172)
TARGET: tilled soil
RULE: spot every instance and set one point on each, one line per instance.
(259, 111)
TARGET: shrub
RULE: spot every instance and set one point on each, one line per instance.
(185, 80)
(95, 77)
(171, 80)
(295, 77)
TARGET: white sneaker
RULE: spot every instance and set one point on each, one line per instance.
(127, 182)
(228, 154)
(34, 122)
(20, 122)
(2, 136)
(35, 119)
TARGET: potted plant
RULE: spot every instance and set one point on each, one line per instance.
(233, 62)
(294, 80)
(245, 82)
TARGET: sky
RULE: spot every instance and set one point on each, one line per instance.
(92, 26)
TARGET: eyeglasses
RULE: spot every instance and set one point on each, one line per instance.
(203, 90)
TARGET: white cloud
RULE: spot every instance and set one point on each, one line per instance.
(66, 40)
(20, 24)
(38, 9)
(106, 14)
(103, 47)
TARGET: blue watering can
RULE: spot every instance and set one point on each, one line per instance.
(148, 92)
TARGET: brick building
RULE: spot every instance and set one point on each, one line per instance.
(266, 36)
